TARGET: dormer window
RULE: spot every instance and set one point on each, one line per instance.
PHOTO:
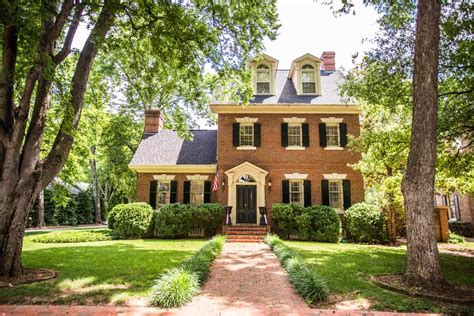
(308, 79)
(263, 79)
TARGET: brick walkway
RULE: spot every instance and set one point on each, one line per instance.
(247, 279)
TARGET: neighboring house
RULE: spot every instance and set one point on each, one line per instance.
(287, 146)
(460, 206)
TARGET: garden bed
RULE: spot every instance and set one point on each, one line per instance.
(28, 276)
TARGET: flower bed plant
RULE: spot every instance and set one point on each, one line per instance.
(179, 285)
(75, 236)
(308, 283)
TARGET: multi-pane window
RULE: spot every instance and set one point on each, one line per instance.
(197, 192)
(296, 192)
(308, 79)
(294, 135)
(246, 134)
(335, 194)
(263, 79)
(163, 192)
(332, 134)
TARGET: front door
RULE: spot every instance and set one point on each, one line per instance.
(246, 204)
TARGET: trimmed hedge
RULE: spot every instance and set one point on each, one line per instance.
(179, 285)
(75, 236)
(366, 223)
(131, 220)
(308, 283)
(176, 220)
(315, 223)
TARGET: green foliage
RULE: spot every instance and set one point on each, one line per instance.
(175, 288)
(75, 236)
(132, 220)
(85, 207)
(284, 218)
(308, 283)
(366, 223)
(175, 220)
(319, 223)
(178, 286)
(111, 217)
(455, 238)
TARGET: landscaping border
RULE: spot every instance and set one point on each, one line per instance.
(179, 285)
(46, 274)
(308, 283)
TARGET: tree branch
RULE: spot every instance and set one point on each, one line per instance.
(7, 83)
(455, 93)
(66, 49)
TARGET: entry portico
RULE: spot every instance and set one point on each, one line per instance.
(246, 174)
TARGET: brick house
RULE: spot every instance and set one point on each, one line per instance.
(287, 145)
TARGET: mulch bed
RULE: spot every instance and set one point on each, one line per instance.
(28, 276)
(450, 292)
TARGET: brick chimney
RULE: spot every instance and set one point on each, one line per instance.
(329, 61)
(153, 121)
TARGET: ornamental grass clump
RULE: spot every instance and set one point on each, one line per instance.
(179, 285)
(308, 283)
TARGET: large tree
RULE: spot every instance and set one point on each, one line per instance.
(37, 38)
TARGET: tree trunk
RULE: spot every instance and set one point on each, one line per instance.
(422, 265)
(95, 184)
(40, 211)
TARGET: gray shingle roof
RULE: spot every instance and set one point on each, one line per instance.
(166, 148)
(285, 92)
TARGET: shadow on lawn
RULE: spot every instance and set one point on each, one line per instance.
(92, 275)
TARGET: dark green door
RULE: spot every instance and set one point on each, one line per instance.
(246, 204)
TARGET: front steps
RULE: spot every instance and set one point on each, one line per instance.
(245, 233)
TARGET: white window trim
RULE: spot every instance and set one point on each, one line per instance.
(247, 147)
(246, 119)
(315, 78)
(296, 176)
(168, 191)
(197, 177)
(334, 147)
(300, 182)
(201, 182)
(290, 120)
(270, 78)
(339, 209)
(296, 147)
(163, 177)
(331, 120)
(335, 176)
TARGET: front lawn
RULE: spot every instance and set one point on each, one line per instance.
(114, 271)
(347, 268)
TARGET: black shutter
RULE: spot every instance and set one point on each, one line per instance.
(284, 134)
(207, 191)
(236, 134)
(307, 193)
(173, 191)
(346, 189)
(256, 134)
(152, 198)
(285, 189)
(325, 191)
(305, 131)
(322, 135)
(186, 191)
(343, 134)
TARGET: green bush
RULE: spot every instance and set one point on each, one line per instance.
(75, 236)
(132, 220)
(455, 238)
(178, 286)
(111, 217)
(175, 220)
(284, 218)
(85, 207)
(319, 223)
(175, 288)
(308, 283)
(366, 223)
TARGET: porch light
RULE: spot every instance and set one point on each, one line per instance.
(270, 183)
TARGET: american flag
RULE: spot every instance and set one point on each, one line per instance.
(215, 185)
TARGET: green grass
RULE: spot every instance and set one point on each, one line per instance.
(102, 272)
(347, 267)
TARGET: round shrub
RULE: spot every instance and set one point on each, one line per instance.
(132, 220)
(366, 223)
(209, 216)
(284, 218)
(319, 223)
(175, 288)
(173, 221)
(111, 218)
